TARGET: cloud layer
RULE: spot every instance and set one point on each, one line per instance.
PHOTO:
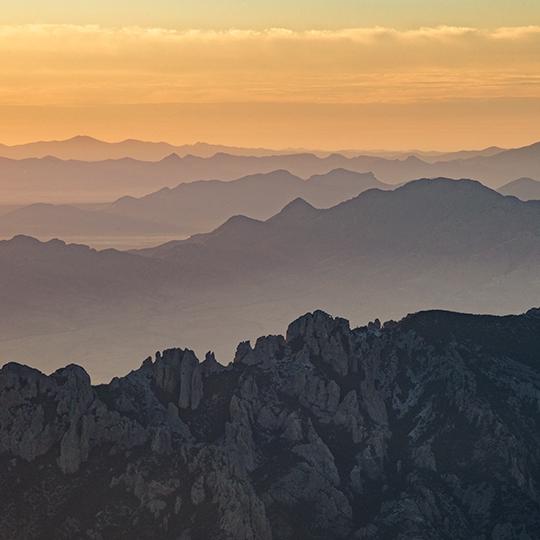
(59, 64)
(445, 86)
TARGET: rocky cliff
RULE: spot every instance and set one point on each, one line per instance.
(428, 428)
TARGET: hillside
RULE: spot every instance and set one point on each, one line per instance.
(424, 428)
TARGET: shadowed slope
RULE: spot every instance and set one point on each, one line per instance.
(424, 428)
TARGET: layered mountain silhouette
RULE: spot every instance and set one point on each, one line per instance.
(436, 217)
(199, 206)
(66, 181)
(423, 428)
(431, 243)
(450, 156)
(85, 148)
(525, 189)
(186, 209)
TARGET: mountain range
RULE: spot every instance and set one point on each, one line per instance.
(53, 180)
(423, 428)
(186, 209)
(85, 148)
(430, 243)
(201, 206)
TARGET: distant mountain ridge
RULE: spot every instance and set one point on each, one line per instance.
(67, 181)
(58, 181)
(376, 232)
(85, 148)
(201, 206)
(186, 209)
(428, 244)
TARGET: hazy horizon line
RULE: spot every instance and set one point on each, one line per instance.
(300, 148)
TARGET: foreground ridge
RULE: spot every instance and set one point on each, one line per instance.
(423, 428)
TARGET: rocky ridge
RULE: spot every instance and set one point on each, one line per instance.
(423, 428)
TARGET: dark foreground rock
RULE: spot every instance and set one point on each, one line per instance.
(428, 428)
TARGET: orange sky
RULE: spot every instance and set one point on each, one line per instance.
(439, 87)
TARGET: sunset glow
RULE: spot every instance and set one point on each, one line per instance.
(110, 76)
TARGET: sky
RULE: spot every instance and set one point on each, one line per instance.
(341, 74)
(262, 14)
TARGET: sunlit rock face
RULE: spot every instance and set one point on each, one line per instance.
(424, 428)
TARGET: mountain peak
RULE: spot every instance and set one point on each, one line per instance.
(524, 188)
(412, 159)
(278, 172)
(234, 225)
(298, 204)
(523, 181)
(83, 138)
(442, 182)
(171, 158)
(313, 328)
(462, 191)
(272, 176)
(297, 209)
(342, 175)
(23, 240)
